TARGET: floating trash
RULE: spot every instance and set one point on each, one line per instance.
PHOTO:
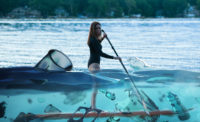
(22, 117)
(29, 101)
(51, 109)
(138, 64)
(178, 107)
(74, 98)
(161, 98)
(2, 109)
(108, 94)
(130, 93)
(127, 106)
(113, 119)
(86, 111)
(197, 99)
(132, 104)
(41, 100)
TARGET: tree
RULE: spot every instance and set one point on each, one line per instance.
(192, 2)
(131, 7)
(156, 6)
(113, 8)
(4, 7)
(173, 8)
(8, 5)
(198, 4)
(82, 6)
(47, 7)
(97, 8)
(144, 8)
(75, 7)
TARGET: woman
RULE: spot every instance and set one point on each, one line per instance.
(94, 43)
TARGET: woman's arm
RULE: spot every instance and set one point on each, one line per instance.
(98, 50)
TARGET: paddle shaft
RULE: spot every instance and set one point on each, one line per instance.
(103, 114)
(131, 79)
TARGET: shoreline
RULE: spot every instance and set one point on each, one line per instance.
(74, 18)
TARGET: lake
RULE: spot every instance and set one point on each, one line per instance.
(170, 47)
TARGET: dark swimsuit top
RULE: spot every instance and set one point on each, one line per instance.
(96, 52)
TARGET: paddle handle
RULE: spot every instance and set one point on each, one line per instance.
(116, 53)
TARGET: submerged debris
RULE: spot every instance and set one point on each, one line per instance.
(133, 104)
(2, 109)
(22, 117)
(41, 100)
(108, 94)
(51, 109)
(197, 99)
(39, 81)
(131, 94)
(161, 98)
(74, 98)
(29, 101)
(87, 110)
(178, 107)
(113, 119)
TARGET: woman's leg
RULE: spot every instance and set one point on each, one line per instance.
(93, 68)
(94, 94)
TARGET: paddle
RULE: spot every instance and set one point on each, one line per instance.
(131, 79)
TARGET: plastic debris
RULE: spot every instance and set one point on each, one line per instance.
(113, 119)
(2, 109)
(138, 64)
(108, 94)
(51, 109)
(178, 107)
(41, 100)
(197, 99)
(29, 101)
(70, 99)
(22, 117)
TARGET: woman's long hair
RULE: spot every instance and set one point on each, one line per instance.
(92, 33)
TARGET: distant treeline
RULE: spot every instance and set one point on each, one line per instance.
(104, 8)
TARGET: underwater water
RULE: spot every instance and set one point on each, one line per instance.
(168, 62)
